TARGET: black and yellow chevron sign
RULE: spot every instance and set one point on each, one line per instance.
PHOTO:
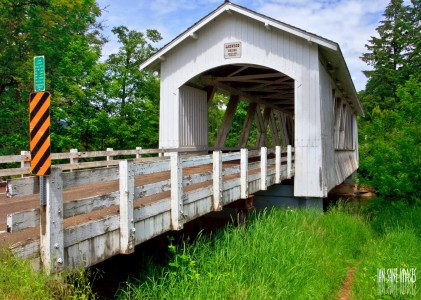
(39, 131)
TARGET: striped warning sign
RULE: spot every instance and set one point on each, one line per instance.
(39, 130)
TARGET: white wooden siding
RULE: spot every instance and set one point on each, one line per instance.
(193, 117)
(275, 49)
(339, 135)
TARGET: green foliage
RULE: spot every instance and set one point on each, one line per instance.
(394, 55)
(282, 254)
(19, 281)
(71, 44)
(390, 145)
(396, 246)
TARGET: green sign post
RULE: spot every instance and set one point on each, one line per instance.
(39, 74)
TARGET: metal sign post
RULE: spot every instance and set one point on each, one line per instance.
(39, 127)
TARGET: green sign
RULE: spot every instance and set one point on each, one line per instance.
(39, 74)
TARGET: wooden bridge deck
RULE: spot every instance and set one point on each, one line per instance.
(95, 224)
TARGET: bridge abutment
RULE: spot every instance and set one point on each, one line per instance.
(282, 195)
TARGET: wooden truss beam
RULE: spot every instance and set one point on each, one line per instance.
(227, 121)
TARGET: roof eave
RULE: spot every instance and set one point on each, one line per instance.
(154, 60)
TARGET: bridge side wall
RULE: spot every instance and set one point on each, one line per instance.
(338, 164)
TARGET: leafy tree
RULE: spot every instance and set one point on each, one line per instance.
(67, 34)
(390, 134)
(391, 146)
(134, 93)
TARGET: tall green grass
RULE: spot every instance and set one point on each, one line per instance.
(396, 244)
(281, 254)
(18, 281)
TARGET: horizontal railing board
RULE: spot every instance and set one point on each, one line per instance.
(30, 185)
(151, 209)
(230, 156)
(195, 161)
(78, 233)
(152, 167)
(22, 220)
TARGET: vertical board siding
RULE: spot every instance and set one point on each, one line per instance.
(193, 121)
(284, 52)
(339, 135)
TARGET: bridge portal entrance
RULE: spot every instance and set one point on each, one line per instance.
(269, 95)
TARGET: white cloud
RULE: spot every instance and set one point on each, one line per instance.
(350, 23)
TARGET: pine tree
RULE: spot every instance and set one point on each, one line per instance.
(394, 55)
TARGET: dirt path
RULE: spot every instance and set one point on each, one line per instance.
(345, 292)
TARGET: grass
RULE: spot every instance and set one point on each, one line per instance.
(282, 254)
(396, 244)
(18, 281)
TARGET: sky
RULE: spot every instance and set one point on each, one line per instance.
(350, 23)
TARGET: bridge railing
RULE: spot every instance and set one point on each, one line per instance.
(222, 178)
(102, 158)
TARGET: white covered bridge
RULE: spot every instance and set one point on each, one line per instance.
(297, 85)
(299, 94)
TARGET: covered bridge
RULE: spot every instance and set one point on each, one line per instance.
(297, 86)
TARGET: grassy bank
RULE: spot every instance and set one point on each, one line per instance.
(394, 247)
(18, 281)
(282, 254)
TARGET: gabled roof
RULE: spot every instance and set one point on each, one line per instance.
(327, 45)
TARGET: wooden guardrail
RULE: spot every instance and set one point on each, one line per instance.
(62, 246)
(107, 158)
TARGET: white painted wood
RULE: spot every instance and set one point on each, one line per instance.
(73, 160)
(110, 157)
(152, 167)
(244, 173)
(26, 160)
(217, 181)
(194, 161)
(22, 220)
(263, 168)
(94, 228)
(138, 152)
(278, 164)
(176, 192)
(230, 156)
(193, 117)
(51, 225)
(126, 188)
(289, 162)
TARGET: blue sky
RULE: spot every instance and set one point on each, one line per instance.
(347, 22)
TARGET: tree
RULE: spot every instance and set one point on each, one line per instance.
(134, 93)
(390, 135)
(67, 34)
(394, 55)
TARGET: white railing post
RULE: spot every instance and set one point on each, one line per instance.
(289, 161)
(217, 180)
(51, 224)
(263, 167)
(278, 155)
(26, 160)
(109, 157)
(73, 160)
(138, 155)
(176, 192)
(127, 229)
(244, 187)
